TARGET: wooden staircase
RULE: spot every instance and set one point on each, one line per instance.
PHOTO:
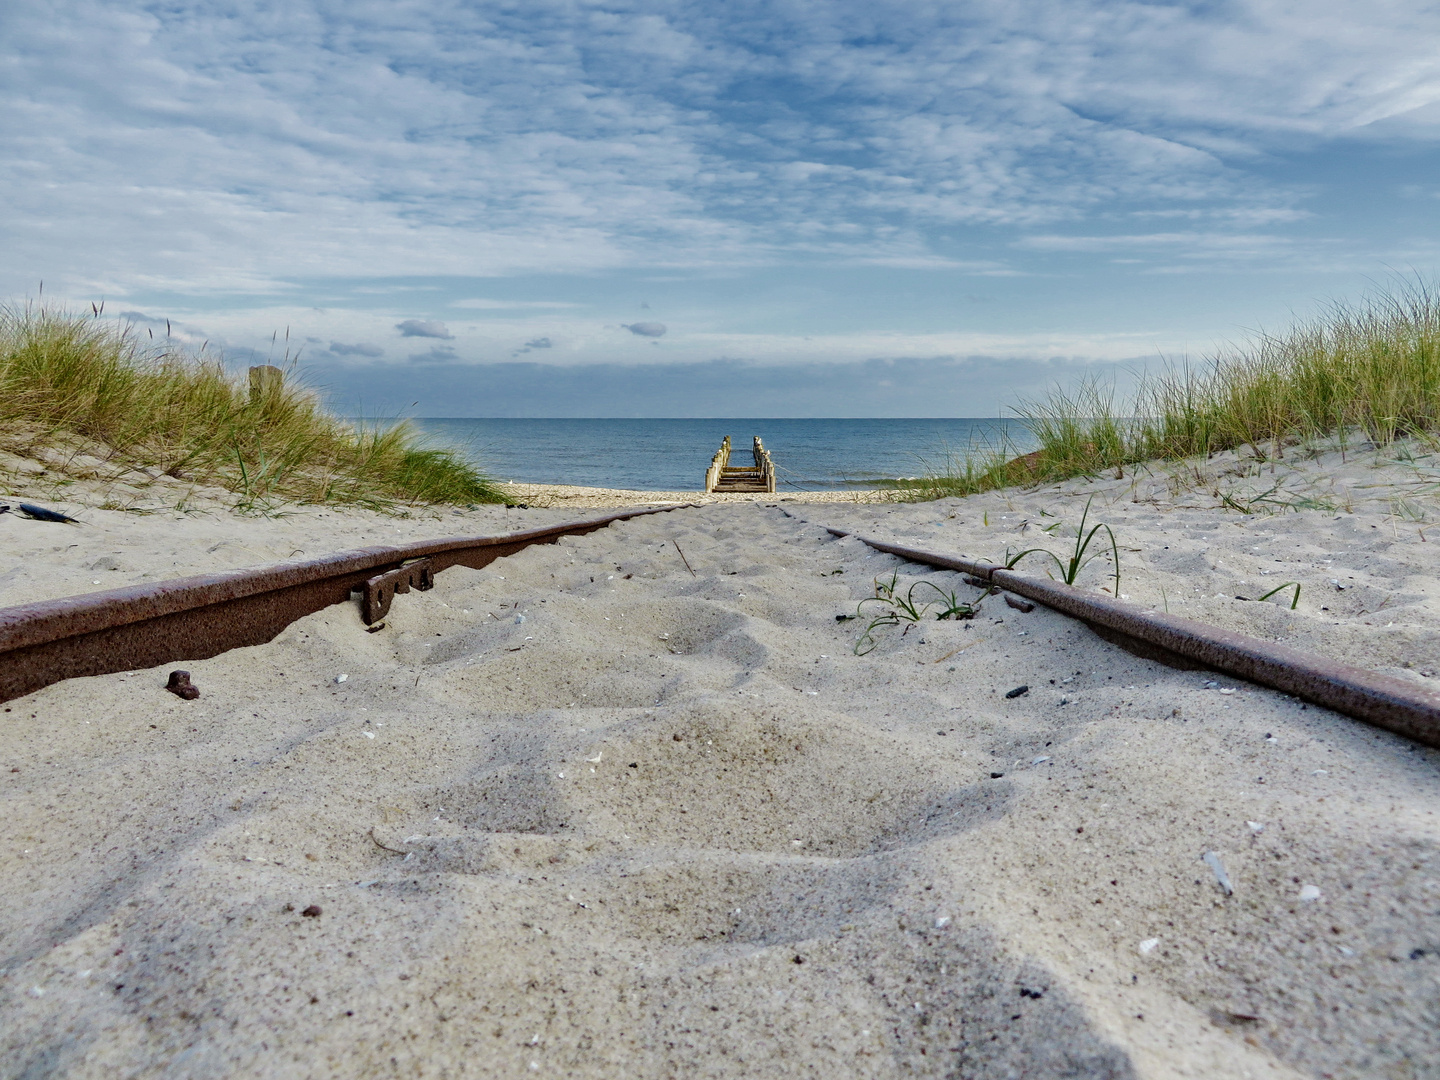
(724, 477)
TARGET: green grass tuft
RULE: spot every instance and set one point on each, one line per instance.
(1372, 368)
(67, 377)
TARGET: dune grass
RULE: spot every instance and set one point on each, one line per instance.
(91, 387)
(1371, 368)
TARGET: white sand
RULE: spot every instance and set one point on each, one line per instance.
(669, 825)
(555, 495)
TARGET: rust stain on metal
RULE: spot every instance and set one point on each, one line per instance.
(1382, 700)
(197, 617)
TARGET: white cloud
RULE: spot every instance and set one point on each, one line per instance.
(210, 149)
(481, 304)
(578, 340)
(1176, 243)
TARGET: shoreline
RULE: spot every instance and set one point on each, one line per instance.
(549, 495)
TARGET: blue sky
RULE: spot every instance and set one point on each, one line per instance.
(862, 208)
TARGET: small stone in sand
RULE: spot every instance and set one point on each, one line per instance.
(181, 686)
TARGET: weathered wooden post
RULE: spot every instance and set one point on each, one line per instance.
(765, 465)
(717, 465)
(266, 382)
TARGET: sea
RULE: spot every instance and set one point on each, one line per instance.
(672, 455)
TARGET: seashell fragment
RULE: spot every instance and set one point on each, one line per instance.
(1218, 869)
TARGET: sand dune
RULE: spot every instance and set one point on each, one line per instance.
(585, 813)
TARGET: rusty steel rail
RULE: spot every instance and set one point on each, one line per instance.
(196, 617)
(1382, 700)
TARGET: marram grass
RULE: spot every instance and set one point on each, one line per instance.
(1372, 368)
(68, 380)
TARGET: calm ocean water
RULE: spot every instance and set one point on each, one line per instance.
(672, 455)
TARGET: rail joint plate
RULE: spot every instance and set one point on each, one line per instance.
(380, 590)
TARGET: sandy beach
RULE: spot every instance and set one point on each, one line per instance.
(591, 813)
(557, 495)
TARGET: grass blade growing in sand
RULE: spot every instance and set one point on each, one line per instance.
(1295, 600)
(1070, 568)
(907, 610)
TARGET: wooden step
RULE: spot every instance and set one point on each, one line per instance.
(723, 476)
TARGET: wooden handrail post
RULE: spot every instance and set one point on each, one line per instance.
(765, 465)
(717, 466)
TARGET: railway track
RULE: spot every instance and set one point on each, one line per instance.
(1396, 705)
(197, 617)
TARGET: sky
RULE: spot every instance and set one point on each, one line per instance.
(866, 208)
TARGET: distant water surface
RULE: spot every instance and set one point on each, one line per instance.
(672, 455)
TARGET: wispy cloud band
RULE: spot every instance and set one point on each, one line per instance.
(198, 146)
